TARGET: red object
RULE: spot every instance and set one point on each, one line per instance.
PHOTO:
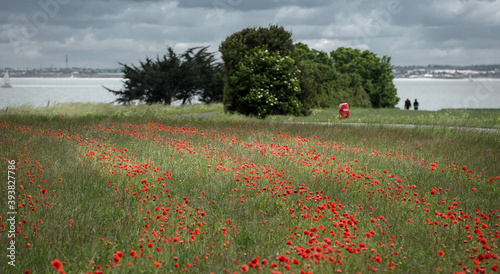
(344, 110)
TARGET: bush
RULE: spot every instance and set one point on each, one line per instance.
(267, 84)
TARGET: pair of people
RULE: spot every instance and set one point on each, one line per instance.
(408, 104)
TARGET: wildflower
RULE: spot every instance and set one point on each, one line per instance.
(441, 253)
(133, 253)
(57, 264)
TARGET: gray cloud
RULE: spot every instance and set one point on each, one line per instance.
(99, 33)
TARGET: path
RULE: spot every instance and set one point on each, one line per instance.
(486, 130)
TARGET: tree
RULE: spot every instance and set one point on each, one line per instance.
(202, 75)
(375, 72)
(316, 71)
(266, 84)
(171, 77)
(348, 88)
(213, 86)
(242, 47)
(328, 87)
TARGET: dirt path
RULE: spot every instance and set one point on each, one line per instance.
(200, 115)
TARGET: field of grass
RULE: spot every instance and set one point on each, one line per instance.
(147, 190)
(484, 118)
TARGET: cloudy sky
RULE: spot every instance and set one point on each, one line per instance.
(101, 33)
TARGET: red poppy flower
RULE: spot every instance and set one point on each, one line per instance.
(441, 253)
(133, 253)
(57, 264)
(116, 258)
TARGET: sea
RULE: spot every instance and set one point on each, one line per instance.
(432, 94)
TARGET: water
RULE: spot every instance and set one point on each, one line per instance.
(39, 91)
(436, 94)
(432, 94)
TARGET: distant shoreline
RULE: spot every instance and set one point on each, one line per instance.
(448, 79)
(68, 76)
(90, 76)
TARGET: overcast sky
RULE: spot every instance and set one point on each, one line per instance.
(101, 33)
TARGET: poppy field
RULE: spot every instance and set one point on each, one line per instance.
(139, 194)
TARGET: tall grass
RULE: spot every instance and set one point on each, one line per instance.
(243, 188)
(485, 118)
(103, 110)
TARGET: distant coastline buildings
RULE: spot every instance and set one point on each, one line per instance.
(430, 71)
(65, 72)
(447, 72)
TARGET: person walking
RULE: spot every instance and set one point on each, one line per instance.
(407, 104)
(415, 105)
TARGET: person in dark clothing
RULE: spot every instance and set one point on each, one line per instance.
(407, 104)
(415, 104)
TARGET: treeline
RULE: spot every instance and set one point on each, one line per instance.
(173, 77)
(263, 73)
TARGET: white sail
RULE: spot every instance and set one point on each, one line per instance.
(6, 80)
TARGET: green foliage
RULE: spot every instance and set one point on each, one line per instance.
(328, 87)
(195, 73)
(266, 83)
(206, 77)
(316, 70)
(241, 46)
(375, 72)
(245, 42)
(348, 88)
(313, 55)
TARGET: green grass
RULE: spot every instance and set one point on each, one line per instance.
(104, 171)
(110, 111)
(485, 118)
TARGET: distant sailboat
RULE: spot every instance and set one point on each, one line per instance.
(6, 80)
(470, 78)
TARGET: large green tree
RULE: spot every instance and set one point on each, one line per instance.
(245, 44)
(329, 87)
(204, 76)
(375, 73)
(316, 72)
(266, 83)
(173, 77)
